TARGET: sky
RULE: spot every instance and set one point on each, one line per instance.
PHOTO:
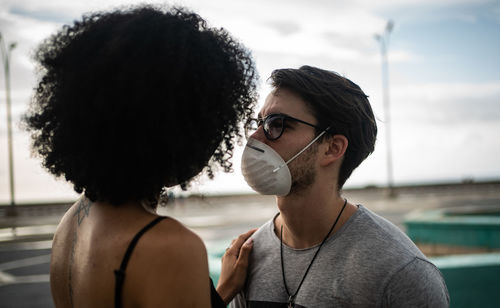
(444, 79)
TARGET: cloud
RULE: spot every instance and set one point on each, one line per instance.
(41, 15)
(439, 91)
(285, 27)
(447, 103)
(60, 10)
(399, 4)
(496, 12)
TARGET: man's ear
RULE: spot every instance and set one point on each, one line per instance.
(333, 149)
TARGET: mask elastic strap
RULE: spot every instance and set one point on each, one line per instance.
(301, 151)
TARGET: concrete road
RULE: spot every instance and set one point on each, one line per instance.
(24, 275)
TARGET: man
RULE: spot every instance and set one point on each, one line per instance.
(320, 250)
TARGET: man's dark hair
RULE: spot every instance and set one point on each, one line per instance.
(136, 99)
(338, 103)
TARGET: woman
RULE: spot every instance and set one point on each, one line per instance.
(130, 102)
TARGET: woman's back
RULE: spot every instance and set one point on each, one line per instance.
(168, 266)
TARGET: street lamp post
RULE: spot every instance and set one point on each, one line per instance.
(383, 39)
(6, 51)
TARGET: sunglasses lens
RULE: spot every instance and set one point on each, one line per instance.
(273, 126)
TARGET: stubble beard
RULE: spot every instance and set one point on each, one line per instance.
(302, 170)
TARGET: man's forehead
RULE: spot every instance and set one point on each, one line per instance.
(284, 101)
(269, 104)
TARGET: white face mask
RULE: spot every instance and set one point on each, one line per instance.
(264, 169)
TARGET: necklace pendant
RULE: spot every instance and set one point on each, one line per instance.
(291, 303)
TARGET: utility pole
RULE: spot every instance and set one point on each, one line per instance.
(383, 39)
(6, 52)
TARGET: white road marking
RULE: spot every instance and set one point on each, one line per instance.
(25, 262)
(6, 278)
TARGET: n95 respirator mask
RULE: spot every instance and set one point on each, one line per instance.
(265, 171)
(258, 164)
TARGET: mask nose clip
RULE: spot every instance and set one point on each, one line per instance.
(255, 148)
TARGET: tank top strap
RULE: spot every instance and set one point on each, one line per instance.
(120, 273)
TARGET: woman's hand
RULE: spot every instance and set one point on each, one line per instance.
(234, 267)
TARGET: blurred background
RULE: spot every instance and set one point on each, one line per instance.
(432, 73)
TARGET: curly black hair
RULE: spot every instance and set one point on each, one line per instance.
(136, 99)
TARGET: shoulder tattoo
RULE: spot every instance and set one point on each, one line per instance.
(83, 209)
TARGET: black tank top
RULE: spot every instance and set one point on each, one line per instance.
(216, 300)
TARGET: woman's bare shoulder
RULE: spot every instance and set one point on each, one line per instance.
(172, 237)
(171, 243)
(66, 226)
(172, 267)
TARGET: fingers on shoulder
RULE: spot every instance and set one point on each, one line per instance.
(240, 245)
(244, 255)
(242, 238)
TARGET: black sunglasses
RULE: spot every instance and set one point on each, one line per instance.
(273, 125)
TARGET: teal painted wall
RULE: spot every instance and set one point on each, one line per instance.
(438, 227)
(455, 233)
(472, 280)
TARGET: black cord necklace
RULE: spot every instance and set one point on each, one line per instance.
(291, 298)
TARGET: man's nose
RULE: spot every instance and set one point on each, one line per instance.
(259, 135)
